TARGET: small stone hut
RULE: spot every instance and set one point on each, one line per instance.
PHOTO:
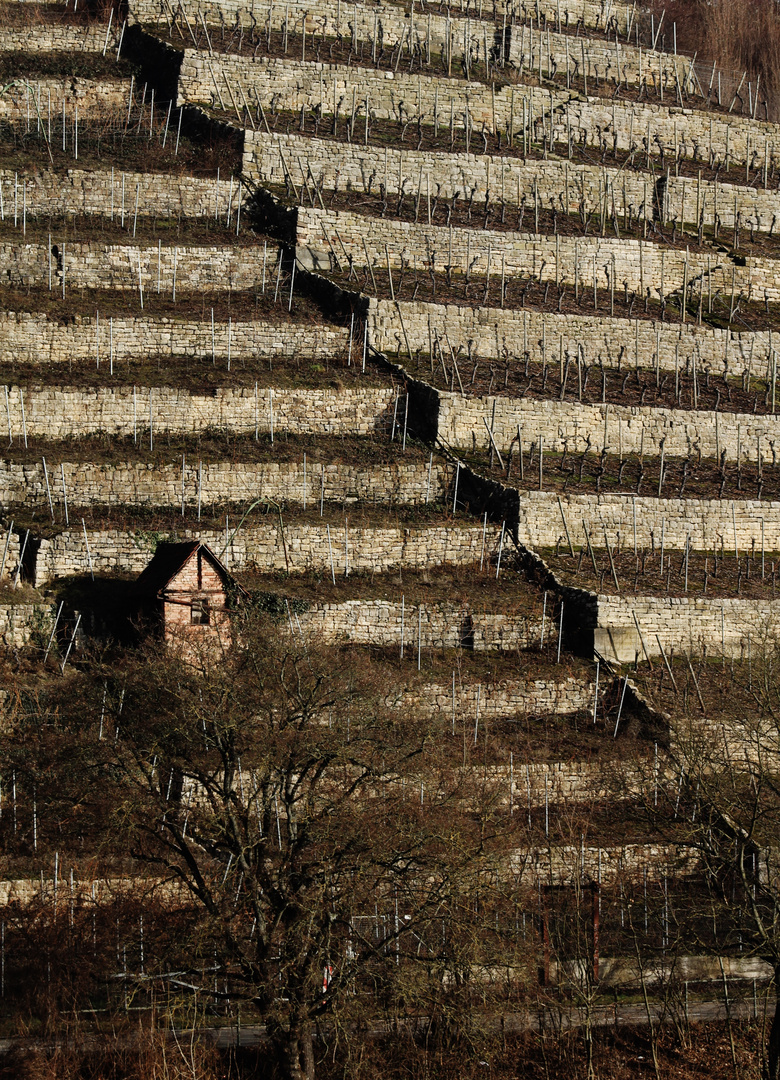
(187, 592)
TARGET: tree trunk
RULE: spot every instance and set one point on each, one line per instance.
(773, 1046)
(297, 1050)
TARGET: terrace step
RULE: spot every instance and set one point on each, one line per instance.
(34, 339)
(290, 85)
(95, 266)
(66, 411)
(193, 483)
(300, 546)
(501, 334)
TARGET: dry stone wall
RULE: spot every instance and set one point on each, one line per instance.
(688, 624)
(594, 122)
(270, 158)
(113, 194)
(348, 165)
(496, 701)
(41, 38)
(210, 483)
(437, 624)
(453, 38)
(22, 623)
(629, 429)
(299, 548)
(599, 16)
(23, 101)
(10, 546)
(561, 54)
(503, 335)
(708, 522)
(65, 412)
(33, 339)
(324, 235)
(610, 864)
(116, 266)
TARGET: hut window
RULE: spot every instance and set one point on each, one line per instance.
(199, 613)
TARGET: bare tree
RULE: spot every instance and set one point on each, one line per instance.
(335, 863)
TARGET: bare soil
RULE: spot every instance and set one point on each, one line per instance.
(15, 17)
(423, 137)
(470, 586)
(594, 473)
(78, 229)
(215, 447)
(732, 691)
(592, 384)
(155, 524)
(115, 140)
(244, 306)
(201, 375)
(57, 65)
(716, 575)
(411, 283)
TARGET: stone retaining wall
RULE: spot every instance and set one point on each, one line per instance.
(685, 624)
(33, 339)
(506, 180)
(45, 37)
(705, 521)
(265, 548)
(631, 429)
(94, 265)
(94, 98)
(64, 412)
(323, 236)
(506, 335)
(345, 165)
(594, 122)
(439, 36)
(113, 194)
(21, 624)
(437, 624)
(497, 701)
(570, 12)
(139, 484)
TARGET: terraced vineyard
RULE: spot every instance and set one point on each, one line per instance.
(453, 334)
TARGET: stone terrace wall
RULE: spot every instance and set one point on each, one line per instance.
(570, 12)
(706, 521)
(503, 334)
(636, 264)
(347, 165)
(79, 191)
(33, 339)
(303, 548)
(538, 697)
(443, 625)
(569, 425)
(224, 482)
(440, 36)
(596, 122)
(554, 52)
(10, 545)
(19, 623)
(506, 180)
(754, 206)
(41, 38)
(690, 624)
(93, 98)
(64, 412)
(609, 864)
(115, 266)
